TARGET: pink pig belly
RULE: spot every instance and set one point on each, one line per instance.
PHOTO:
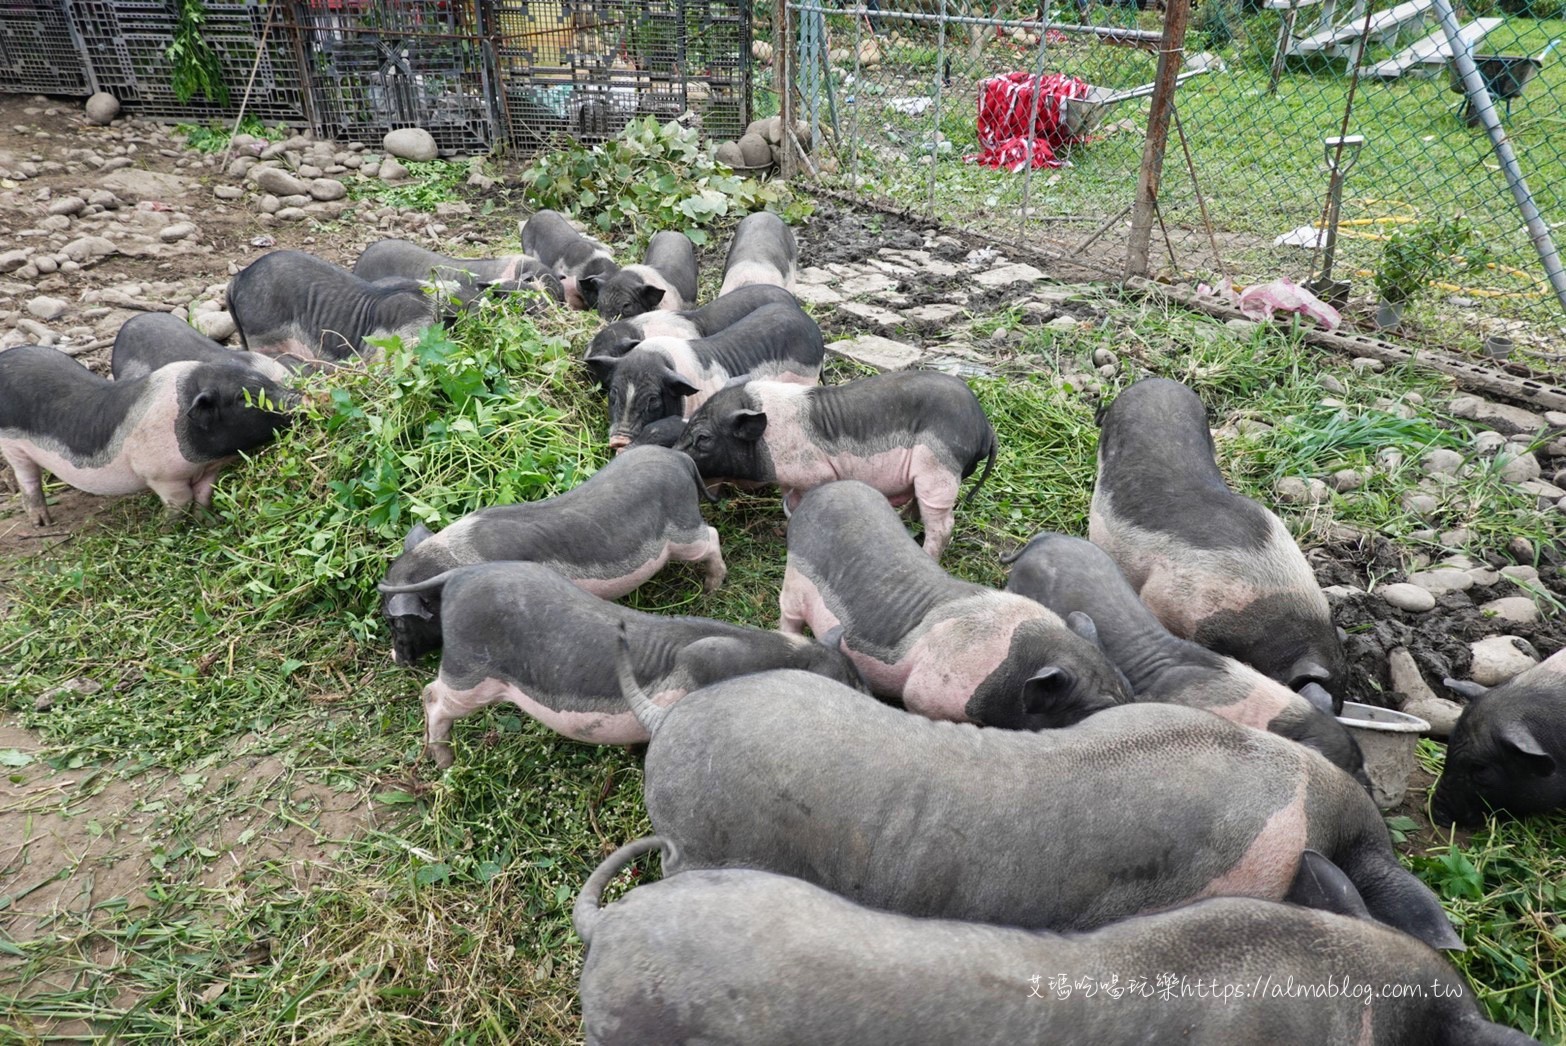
(615, 587)
(599, 728)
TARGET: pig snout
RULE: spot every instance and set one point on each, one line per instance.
(619, 441)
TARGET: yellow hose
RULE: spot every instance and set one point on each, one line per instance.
(1538, 288)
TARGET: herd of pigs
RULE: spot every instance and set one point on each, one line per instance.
(1125, 767)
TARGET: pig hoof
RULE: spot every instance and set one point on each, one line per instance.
(440, 754)
(40, 517)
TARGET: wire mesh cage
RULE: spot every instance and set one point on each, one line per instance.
(127, 43)
(587, 68)
(375, 65)
(474, 73)
(40, 50)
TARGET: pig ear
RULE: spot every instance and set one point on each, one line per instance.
(678, 385)
(417, 536)
(407, 604)
(1083, 626)
(1467, 688)
(1318, 883)
(1053, 696)
(203, 406)
(1517, 736)
(1321, 699)
(602, 368)
(748, 425)
(649, 297)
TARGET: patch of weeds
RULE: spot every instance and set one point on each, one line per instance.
(214, 137)
(1507, 888)
(1003, 319)
(649, 178)
(429, 184)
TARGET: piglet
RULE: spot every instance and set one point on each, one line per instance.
(400, 259)
(150, 340)
(1214, 566)
(671, 377)
(762, 251)
(912, 435)
(289, 303)
(666, 281)
(1133, 810)
(608, 535)
(949, 649)
(1074, 577)
(622, 336)
(520, 632)
(1507, 751)
(581, 264)
(732, 955)
(171, 431)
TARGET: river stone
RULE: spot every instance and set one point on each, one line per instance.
(1497, 659)
(1408, 597)
(1439, 582)
(328, 189)
(219, 326)
(278, 182)
(102, 108)
(1514, 610)
(410, 143)
(47, 308)
(1443, 462)
(1518, 468)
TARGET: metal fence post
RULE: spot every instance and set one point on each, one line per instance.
(1171, 53)
(1479, 102)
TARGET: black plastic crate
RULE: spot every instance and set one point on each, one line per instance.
(383, 64)
(39, 51)
(127, 44)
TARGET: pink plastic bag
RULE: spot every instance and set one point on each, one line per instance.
(1261, 300)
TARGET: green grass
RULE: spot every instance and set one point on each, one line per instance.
(445, 917)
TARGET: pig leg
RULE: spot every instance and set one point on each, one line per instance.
(201, 486)
(710, 554)
(800, 604)
(444, 706)
(936, 494)
(29, 480)
(177, 496)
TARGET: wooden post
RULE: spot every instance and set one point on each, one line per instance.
(1171, 54)
(783, 70)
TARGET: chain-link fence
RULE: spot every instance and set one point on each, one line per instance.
(903, 102)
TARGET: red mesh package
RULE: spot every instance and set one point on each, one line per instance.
(1004, 105)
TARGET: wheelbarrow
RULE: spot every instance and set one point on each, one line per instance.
(1078, 116)
(1504, 77)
